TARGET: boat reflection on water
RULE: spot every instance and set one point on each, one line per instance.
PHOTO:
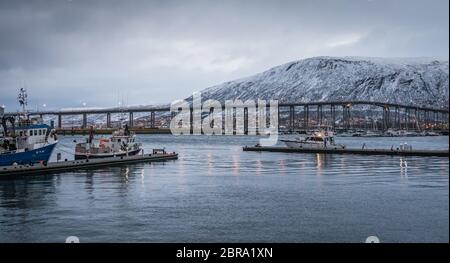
(403, 167)
(323, 161)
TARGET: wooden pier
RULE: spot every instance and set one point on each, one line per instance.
(68, 166)
(394, 151)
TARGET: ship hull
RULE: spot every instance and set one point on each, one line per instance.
(80, 156)
(306, 145)
(41, 154)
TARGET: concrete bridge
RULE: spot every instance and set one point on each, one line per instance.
(300, 116)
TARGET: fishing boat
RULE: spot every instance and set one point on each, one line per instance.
(121, 143)
(317, 140)
(25, 140)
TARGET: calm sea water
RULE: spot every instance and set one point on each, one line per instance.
(216, 192)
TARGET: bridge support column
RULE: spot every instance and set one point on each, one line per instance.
(405, 118)
(84, 125)
(108, 120)
(346, 116)
(306, 117)
(349, 114)
(425, 120)
(333, 116)
(426, 117)
(152, 119)
(435, 119)
(291, 117)
(319, 115)
(386, 121)
(396, 118)
(59, 121)
(408, 118)
(432, 119)
(131, 120)
(245, 119)
(223, 120)
(418, 120)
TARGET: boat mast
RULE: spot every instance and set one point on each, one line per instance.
(23, 99)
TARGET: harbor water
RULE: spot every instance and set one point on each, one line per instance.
(215, 192)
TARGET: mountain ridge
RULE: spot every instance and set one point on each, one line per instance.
(410, 81)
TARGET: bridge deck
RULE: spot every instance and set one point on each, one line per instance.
(166, 108)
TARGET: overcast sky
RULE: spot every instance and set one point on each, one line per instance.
(70, 52)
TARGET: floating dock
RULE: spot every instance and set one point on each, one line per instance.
(68, 166)
(397, 152)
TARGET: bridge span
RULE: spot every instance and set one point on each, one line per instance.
(367, 115)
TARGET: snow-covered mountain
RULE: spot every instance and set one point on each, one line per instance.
(411, 81)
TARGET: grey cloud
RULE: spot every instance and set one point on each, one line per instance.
(157, 51)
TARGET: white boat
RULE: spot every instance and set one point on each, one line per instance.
(401, 133)
(372, 134)
(431, 133)
(121, 143)
(317, 140)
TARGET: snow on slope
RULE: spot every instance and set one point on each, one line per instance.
(410, 81)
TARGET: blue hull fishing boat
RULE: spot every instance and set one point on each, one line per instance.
(40, 155)
(28, 143)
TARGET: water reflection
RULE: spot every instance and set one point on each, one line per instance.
(181, 201)
(210, 164)
(403, 168)
(282, 167)
(89, 183)
(323, 161)
(236, 165)
(26, 193)
(319, 161)
(258, 166)
(141, 171)
(126, 173)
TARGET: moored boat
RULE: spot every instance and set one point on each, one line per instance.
(121, 143)
(317, 140)
(372, 134)
(24, 140)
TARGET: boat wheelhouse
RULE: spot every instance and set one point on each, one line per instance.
(121, 143)
(317, 140)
